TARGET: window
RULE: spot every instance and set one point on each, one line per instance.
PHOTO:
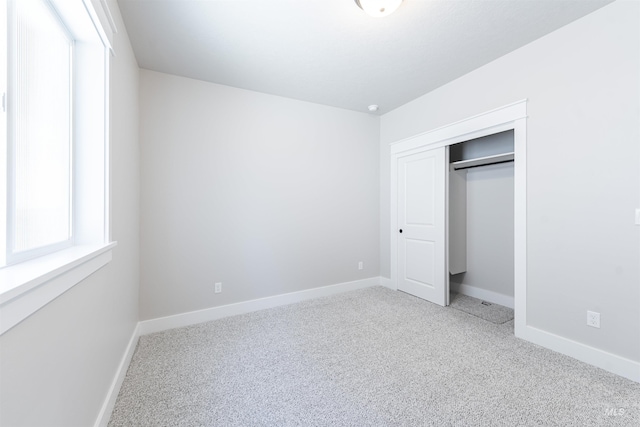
(53, 149)
(39, 124)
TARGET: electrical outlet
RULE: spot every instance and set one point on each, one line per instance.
(218, 287)
(593, 319)
(360, 265)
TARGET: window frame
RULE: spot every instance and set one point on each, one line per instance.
(28, 285)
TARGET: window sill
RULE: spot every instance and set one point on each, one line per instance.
(27, 287)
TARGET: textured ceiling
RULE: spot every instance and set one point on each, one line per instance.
(328, 51)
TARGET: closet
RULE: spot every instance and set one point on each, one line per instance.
(481, 218)
(459, 211)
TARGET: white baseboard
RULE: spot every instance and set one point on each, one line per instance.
(387, 283)
(200, 316)
(483, 294)
(593, 356)
(112, 395)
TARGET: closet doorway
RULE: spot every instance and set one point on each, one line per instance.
(421, 198)
(481, 219)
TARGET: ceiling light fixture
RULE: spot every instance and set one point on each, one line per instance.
(378, 8)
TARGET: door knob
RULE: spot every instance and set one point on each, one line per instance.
(401, 230)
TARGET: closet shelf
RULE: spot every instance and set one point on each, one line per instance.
(483, 161)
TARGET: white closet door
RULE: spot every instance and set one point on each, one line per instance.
(422, 190)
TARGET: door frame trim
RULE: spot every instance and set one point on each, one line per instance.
(509, 117)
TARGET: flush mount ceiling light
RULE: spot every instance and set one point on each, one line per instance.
(378, 8)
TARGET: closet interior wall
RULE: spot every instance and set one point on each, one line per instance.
(481, 221)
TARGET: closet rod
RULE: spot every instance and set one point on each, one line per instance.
(483, 161)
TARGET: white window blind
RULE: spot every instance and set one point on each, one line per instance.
(40, 211)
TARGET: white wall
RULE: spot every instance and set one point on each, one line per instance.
(489, 218)
(582, 169)
(265, 194)
(489, 232)
(56, 367)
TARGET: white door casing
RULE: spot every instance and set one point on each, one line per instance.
(422, 183)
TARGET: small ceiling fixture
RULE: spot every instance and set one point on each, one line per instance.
(378, 8)
(373, 108)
